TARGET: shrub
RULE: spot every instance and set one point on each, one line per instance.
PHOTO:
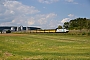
(89, 33)
(8, 31)
(83, 33)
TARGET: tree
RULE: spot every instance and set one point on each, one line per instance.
(1, 31)
(66, 25)
(88, 24)
(59, 27)
(82, 22)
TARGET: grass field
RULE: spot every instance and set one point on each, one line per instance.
(46, 46)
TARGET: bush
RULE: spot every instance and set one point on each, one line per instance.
(89, 33)
(83, 33)
(8, 31)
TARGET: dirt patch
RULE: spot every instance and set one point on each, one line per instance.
(7, 54)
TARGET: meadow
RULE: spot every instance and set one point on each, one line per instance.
(44, 46)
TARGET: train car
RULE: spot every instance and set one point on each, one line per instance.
(62, 31)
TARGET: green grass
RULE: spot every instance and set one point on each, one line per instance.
(44, 47)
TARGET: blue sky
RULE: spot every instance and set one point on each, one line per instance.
(46, 14)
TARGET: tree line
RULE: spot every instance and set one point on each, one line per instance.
(77, 24)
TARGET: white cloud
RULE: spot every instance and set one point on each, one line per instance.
(65, 20)
(54, 23)
(48, 1)
(17, 6)
(14, 13)
(30, 21)
(45, 20)
(71, 1)
(71, 15)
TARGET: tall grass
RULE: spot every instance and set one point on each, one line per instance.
(78, 32)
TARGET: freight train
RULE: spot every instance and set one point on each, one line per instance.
(50, 31)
